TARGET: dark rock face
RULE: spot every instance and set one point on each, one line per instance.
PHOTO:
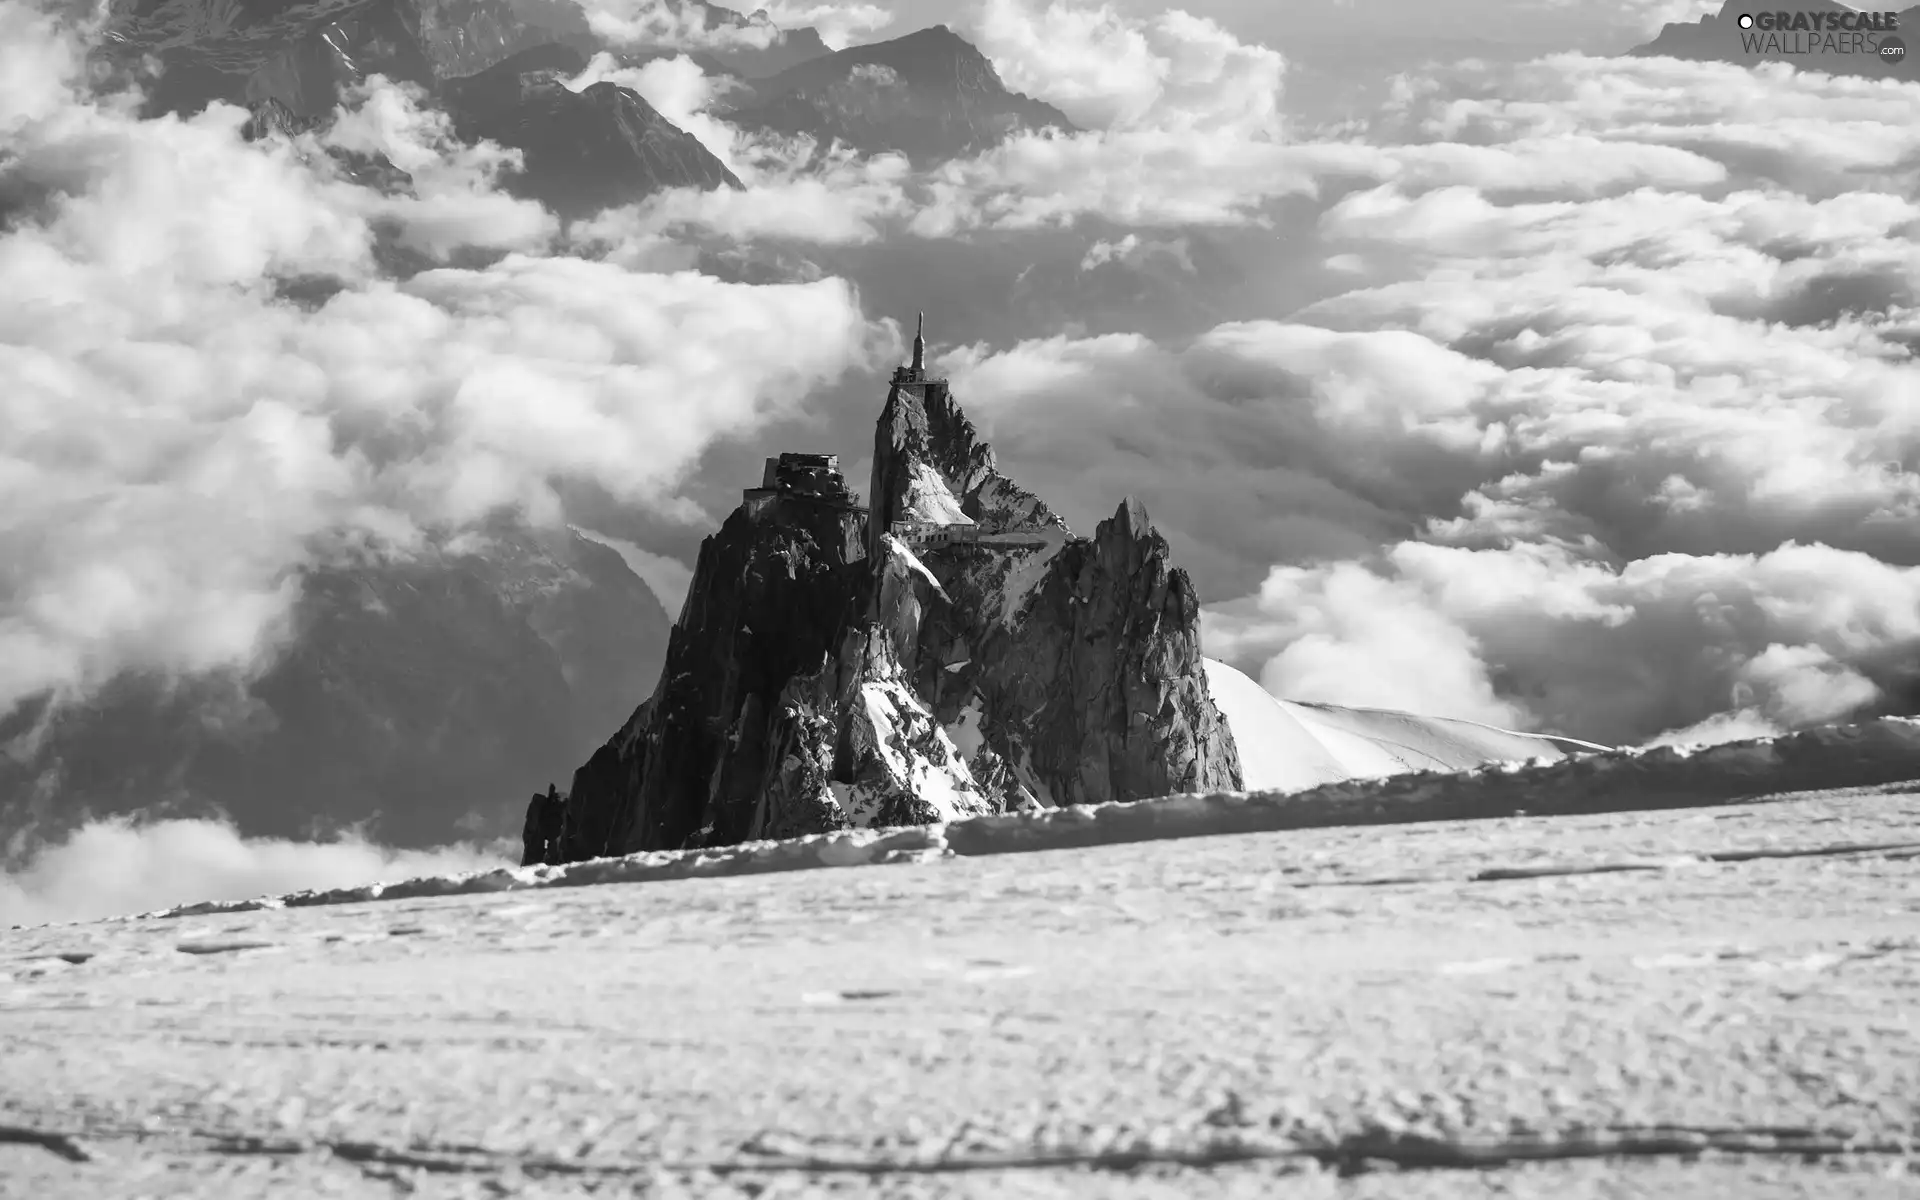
(955, 651)
(1833, 50)
(930, 95)
(584, 151)
(1103, 682)
(412, 692)
(538, 838)
(773, 595)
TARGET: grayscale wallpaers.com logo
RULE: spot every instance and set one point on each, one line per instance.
(1788, 33)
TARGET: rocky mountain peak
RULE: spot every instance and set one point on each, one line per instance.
(952, 650)
(1131, 521)
(584, 151)
(934, 52)
(930, 466)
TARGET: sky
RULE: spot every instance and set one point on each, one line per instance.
(1549, 389)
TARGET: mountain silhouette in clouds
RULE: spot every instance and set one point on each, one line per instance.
(584, 151)
(498, 67)
(424, 696)
(1719, 38)
(930, 95)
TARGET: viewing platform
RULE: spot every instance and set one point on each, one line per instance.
(920, 535)
(809, 478)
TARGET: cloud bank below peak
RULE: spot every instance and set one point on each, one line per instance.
(186, 432)
(114, 867)
(1618, 445)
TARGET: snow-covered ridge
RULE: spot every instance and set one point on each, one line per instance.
(1291, 746)
(1886, 751)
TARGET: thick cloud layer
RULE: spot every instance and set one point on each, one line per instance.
(111, 867)
(1183, 126)
(1173, 71)
(1632, 335)
(663, 23)
(667, 24)
(1613, 455)
(840, 25)
(180, 435)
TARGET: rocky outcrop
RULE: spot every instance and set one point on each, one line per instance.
(1098, 690)
(930, 95)
(775, 597)
(1077, 661)
(954, 651)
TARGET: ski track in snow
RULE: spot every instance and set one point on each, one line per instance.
(1865, 756)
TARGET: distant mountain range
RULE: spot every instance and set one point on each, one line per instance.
(421, 696)
(501, 68)
(1828, 48)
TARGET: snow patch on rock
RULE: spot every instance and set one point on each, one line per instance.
(902, 553)
(848, 802)
(929, 498)
(965, 732)
(918, 757)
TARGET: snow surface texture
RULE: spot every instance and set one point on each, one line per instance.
(1836, 756)
(1290, 746)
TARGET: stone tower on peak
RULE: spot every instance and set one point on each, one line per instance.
(915, 372)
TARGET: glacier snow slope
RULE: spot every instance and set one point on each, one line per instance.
(1289, 746)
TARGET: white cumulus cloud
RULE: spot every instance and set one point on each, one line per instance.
(115, 867)
(1610, 423)
(182, 434)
